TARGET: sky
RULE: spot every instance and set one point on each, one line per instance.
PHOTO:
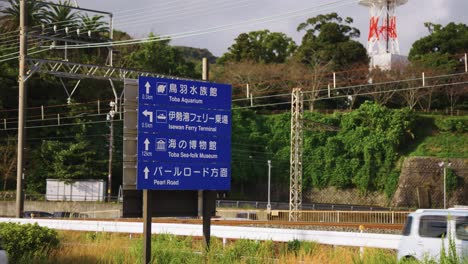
(224, 20)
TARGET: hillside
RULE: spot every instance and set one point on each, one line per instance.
(195, 55)
(362, 161)
(440, 136)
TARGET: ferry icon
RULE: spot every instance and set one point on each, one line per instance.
(161, 116)
(161, 88)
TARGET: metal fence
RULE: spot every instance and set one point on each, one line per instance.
(376, 217)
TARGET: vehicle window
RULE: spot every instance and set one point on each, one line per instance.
(461, 227)
(408, 224)
(433, 226)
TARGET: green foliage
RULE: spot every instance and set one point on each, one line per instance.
(435, 61)
(24, 241)
(449, 256)
(158, 56)
(196, 54)
(362, 153)
(441, 136)
(94, 24)
(9, 16)
(62, 15)
(74, 159)
(442, 145)
(260, 46)
(451, 39)
(328, 41)
(452, 180)
(452, 124)
(167, 248)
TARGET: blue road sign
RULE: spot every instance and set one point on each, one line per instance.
(173, 120)
(183, 93)
(184, 135)
(177, 176)
(183, 148)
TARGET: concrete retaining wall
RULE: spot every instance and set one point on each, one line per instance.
(101, 209)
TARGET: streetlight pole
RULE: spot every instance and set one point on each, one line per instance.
(110, 117)
(269, 178)
(444, 165)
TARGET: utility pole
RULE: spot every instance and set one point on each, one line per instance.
(21, 112)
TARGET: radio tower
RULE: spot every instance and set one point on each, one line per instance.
(382, 42)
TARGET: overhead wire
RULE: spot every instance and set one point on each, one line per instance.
(73, 22)
(403, 81)
(215, 29)
(181, 14)
(192, 33)
(11, 55)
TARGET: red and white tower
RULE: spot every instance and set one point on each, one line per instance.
(382, 45)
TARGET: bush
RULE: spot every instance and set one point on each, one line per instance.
(24, 241)
(452, 124)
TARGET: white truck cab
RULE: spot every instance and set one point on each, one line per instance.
(427, 230)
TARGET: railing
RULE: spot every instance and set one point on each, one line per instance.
(376, 217)
(225, 232)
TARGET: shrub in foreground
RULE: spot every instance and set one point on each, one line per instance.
(23, 241)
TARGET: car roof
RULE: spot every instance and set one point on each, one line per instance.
(451, 211)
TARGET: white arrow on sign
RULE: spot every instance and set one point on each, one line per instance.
(146, 142)
(148, 86)
(150, 114)
(146, 171)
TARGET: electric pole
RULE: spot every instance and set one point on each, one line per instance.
(295, 187)
(21, 112)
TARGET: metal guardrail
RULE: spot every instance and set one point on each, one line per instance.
(305, 206)
(375, 217)
(226, 232)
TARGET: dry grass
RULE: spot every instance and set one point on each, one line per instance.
(87, 247)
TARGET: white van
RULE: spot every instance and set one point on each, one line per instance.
(426, 230)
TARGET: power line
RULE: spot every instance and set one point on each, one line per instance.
(289, 14)
(183, 13)
(72, 22)
(320, 90)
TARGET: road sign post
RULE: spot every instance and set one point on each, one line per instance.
(183, 143)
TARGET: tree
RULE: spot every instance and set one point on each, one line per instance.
(61, 16)
(310, 78)
(328, 40)
(431, 64)
(263, 79)
(440, 53)
(260, 46)
(7, 160)
(158, 56)
(451, 39)
(74, 159)
(10, 16)
(93, 25)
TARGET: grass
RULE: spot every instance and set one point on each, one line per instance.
(438, 136)
(443, 145)
(88, 247)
